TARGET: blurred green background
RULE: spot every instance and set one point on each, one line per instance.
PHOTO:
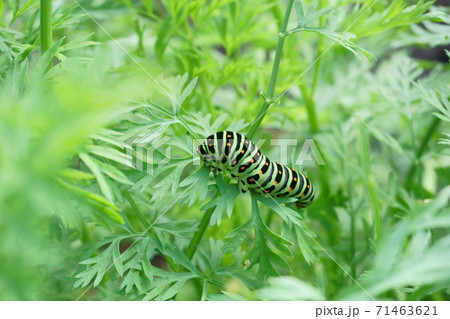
(69, 184)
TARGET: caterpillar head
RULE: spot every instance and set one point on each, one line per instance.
(206, 155)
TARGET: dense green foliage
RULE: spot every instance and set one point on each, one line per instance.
(101, 106)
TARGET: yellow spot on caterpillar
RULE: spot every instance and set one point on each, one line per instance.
(252, 161)
(228, 135)
(260, 172)
(228, 144)
(267, 164)
(306, 176)
(275, 183)
(293, 169)
(242, 152)
(246, 142)
(242, 168)
(295, 179)
(279, 172)
(290, 188)
(307, 186)
(250, 180)
(259, 153)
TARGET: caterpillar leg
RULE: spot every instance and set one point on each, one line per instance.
(217, 171)
(304, 203)
(243, 187)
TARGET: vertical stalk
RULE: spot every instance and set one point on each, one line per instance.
(323, 4)
(310, 108)
(136, 209)
(423, 145)
(308, 94)
(144, 222)
(273, 77)
(199, 234)
(353, 242)
(46, 25)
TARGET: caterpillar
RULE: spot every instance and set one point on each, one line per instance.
(233, 152)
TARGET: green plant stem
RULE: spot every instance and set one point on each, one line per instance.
(322, 20)
(353, 242)
(273, 77)
(144, 222)
(423, 145)
(190, 251)
(136, 210)
(46, 25)
(310, 108)
(317, 68)
(204, 289)
(207, 94)
(352, 221)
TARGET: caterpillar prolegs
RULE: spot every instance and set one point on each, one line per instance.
(233, 152)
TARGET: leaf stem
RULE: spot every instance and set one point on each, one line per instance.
(310, 108)
(322, 20)
(136, 209)
(144, 222)
(423, 145)
(46, 25)
(268, 101)
(204, 289)
(199, 234)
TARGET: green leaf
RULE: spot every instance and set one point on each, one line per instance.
(98, 266)
(180, 258)
(95, 169)
(261, 252)
(407, 255)
(198, 183)
(165, 279)
(96, 201)
(40, 69)
(279, 242)
(305, 244)
(110, 137)
(157, 287)
(131, 280)
(237, 236)
(147, 268)
(387, 139)
(304, 24)
(179, 227)
(223, 203)
(188, 90)
(275, 205)
(163, 38)
(441, 103)
(170, 182)
(110, 153)
(176, 287)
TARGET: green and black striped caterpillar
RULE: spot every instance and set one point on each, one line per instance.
(233, 152)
